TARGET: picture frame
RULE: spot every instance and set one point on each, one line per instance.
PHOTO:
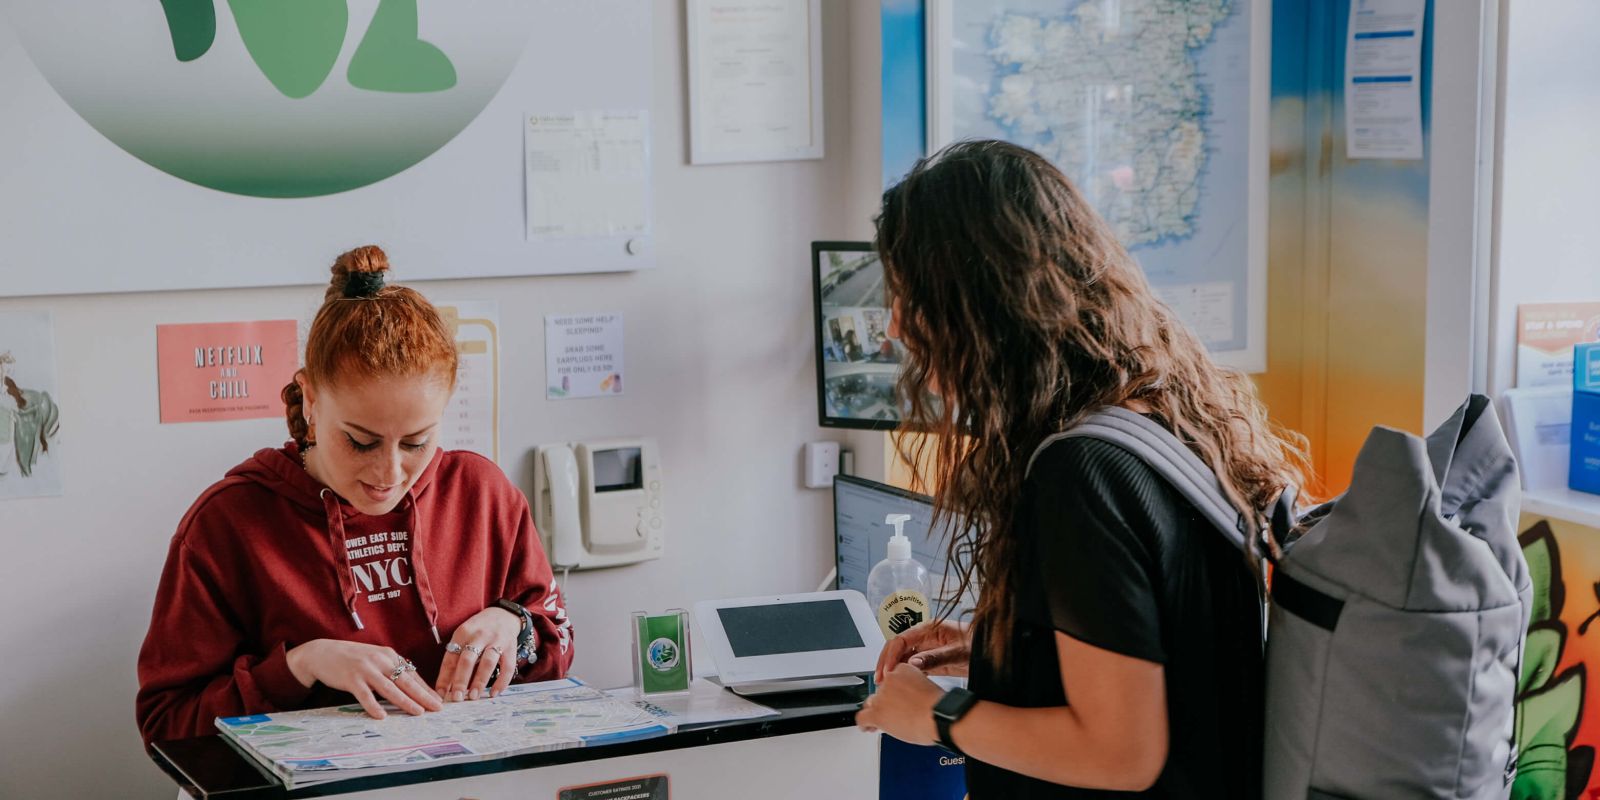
(755, 80)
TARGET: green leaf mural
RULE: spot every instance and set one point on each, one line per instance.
(393, 58)
(193, 24)
(1548, 705)
(295, 43)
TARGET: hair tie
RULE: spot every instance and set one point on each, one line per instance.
(363, 284)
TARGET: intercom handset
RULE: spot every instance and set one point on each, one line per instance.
(598, 504)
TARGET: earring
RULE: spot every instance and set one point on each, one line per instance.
(311, 435)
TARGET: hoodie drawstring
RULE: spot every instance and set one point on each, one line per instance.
(347, 587)
(420, 571)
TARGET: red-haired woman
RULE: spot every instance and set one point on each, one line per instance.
(1116, 643)
(360, 559)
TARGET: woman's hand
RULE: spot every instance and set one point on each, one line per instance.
(941, 647)
(366, 671)
(903, 706)
(486, 640)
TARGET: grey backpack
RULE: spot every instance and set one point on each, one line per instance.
(1397, 615)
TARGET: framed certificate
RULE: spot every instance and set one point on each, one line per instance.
(755, 80)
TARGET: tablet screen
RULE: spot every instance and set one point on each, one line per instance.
(789, 628)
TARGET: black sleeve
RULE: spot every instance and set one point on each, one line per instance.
(1096, 511)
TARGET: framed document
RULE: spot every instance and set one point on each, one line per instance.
(755, 80)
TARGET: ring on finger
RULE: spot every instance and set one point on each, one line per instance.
(498, 651)
(452, 648)
(475, 649)
(401, 667)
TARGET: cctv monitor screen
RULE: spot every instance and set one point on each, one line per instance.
(858, 363)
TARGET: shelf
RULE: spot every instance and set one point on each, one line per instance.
(1563, 504)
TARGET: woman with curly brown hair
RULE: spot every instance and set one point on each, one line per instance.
(360, 561)
(1116, 644)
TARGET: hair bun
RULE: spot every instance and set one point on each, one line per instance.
(369, 258)
(359, 273)
(363, 284)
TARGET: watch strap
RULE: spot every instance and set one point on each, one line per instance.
(526, 652)
(948, 711)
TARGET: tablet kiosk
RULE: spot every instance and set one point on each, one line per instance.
(790, 642)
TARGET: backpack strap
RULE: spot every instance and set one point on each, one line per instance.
(1163, 452)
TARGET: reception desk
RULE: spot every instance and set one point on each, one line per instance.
(810, 750)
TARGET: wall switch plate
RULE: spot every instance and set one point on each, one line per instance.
(822, 463)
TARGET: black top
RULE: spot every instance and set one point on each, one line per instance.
(1120, 560)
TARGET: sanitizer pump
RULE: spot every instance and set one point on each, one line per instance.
(898, 586)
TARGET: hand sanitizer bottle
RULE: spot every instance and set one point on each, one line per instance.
(897, 587)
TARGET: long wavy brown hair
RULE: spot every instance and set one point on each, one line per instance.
(1021, 314)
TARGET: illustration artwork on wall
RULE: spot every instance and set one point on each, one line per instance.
(30, 419)
(1555, 737)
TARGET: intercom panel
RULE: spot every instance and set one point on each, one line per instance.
(598, 503)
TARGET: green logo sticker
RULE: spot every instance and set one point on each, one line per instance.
(663, 655)
(276, 98)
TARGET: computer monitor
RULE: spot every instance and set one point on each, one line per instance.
(861, 539)
(857, 363)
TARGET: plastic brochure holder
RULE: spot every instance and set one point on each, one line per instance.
(662, 662)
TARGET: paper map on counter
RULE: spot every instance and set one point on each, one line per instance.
(303, 748)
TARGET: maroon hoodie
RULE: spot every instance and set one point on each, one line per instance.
(267, 559)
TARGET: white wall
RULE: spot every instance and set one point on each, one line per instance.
(720, 370)
(1549, 205)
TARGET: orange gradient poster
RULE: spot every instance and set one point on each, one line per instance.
(212, 372)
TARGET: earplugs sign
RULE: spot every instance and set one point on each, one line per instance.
(276, 98)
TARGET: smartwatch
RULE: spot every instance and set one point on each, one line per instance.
(527, 646)
(951, 708)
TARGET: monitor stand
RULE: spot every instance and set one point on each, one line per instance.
(795, 685)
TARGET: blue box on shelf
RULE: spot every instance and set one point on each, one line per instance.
(1584, 472)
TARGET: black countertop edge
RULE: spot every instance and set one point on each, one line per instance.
(209, 767)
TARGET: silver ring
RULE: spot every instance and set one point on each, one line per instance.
(452, 648)
(401, 667)
(475, 649)
(498, 651)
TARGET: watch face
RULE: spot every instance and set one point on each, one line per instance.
(954, 703)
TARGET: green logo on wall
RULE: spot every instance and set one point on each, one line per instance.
(258, 107)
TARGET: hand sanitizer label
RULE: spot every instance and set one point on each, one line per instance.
(900, 611)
